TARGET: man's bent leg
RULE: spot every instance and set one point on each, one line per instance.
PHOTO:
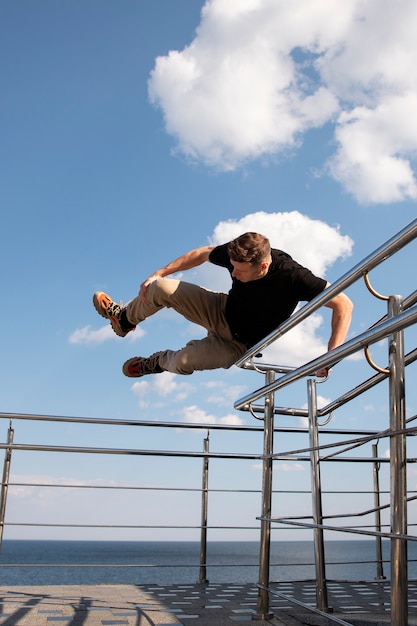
(209, 353)
(196, 304)
(157, 297)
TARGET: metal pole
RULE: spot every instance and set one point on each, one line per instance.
(321, 586)
(5, 482)
(398, 476)
(265, 540)
(204, 515)
(377, 503)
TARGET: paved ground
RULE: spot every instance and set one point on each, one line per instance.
(192, 605)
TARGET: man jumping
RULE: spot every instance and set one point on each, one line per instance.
(267, 285)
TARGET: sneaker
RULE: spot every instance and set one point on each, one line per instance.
(140, 366)
(112, 311)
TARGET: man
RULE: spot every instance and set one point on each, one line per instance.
(267, 285)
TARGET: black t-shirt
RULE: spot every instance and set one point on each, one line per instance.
(256, 308)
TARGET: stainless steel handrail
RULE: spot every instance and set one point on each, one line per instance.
(367, 338)
(401, 314)
(393, 245)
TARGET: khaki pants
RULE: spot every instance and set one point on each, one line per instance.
(197, 305)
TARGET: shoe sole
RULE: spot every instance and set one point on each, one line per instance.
(97, 306)
(101, 311)
(125, 368)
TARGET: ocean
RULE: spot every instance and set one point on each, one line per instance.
(165, 563)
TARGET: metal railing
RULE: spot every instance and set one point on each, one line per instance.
(261, 404)
(401, 314)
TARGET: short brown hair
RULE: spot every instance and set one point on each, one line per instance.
(249, 248)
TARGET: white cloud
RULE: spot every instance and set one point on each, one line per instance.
(312, 243)
(169, 384)
(220, 392)
(87, 335)
(194, 415)
(298, 346)
(161, 386)
(373, 143)
(282, 467)
(259, 73)
(31, 486)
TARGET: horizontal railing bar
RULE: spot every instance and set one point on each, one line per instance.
(382, 507)
(361, 526)
(123, 487)
(393, 245)
(218, 455)
(175, 565)
(198, 489)
(262, 368)
(361, 513)
(125, 526)
(409, 358)
(279, 520)
(145, 565)
(348, 442)
(111, 422)
(119, 422)
(342, 529)
(128, 451)
(363, 340)
(288, 411)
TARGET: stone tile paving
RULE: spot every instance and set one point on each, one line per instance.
(193, 605)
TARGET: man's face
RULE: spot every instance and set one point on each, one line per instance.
(245, 272)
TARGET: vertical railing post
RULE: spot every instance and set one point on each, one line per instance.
(377, 505)
(5, 481)
(321, 586)
(204, 514)
(265, 540)
(398, 472)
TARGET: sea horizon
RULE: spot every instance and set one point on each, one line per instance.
(61, 561)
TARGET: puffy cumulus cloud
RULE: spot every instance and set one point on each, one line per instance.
(87, 335)
(373, 144)
(300, 345)
(155, 391)
(160, 387)
(312, 243)
(233, 94)
(260, 73)
(194, 415)
(222, 392)
(169, 384)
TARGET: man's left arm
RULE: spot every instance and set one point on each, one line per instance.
(342, 308)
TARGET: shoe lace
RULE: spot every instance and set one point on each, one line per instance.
(150, 365)
(115, 309)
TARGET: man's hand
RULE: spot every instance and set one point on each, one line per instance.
(144, 287)
(324, 372)
(342, 308)
(184, 262)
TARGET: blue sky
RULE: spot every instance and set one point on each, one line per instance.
(135, 131)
